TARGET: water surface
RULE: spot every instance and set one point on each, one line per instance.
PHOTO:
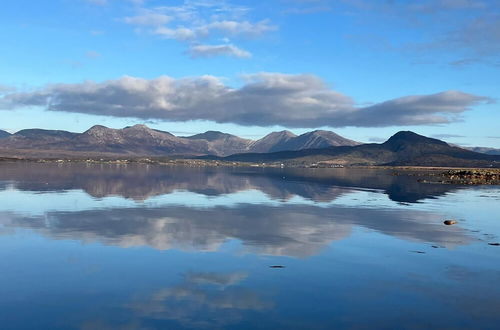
(151, 247)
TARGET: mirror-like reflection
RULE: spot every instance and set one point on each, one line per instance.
(151, 247)
(204, 300)
(141, 182)
(295, 230)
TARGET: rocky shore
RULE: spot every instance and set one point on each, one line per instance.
(465, 176)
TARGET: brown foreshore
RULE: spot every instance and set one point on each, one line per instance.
(427, 174)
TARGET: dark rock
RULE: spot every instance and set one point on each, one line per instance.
(449, 222)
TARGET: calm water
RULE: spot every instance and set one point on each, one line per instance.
(146, 247)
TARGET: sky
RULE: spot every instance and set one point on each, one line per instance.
(364, 69)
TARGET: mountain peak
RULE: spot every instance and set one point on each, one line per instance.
(412, 137)
(407, 139)
(210, 136)
(38, 132)
(323, 139)
(407, 135)
(98, 128)
(138, 127)
(284, 133)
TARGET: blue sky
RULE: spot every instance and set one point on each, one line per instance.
(364, 69)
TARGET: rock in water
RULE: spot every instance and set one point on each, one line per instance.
(449, 222)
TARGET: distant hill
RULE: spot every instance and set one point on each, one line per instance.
(222, 143)
(140, 140)
(312, 140)
(404, 148)
(322, 147)
(484, 150)
(4, 134)
(272, 142)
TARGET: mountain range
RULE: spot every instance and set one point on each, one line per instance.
(404, 148)
(140, 140)
(322, 147)
(484, 150)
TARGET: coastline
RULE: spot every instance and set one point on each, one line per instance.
(424, 174)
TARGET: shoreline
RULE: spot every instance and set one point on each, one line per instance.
(211, 162)
(430, 174)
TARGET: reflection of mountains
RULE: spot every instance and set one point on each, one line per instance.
(295, 230)
(142, 181)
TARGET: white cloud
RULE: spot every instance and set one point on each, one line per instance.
(178, 33)
(6, 89)
(244, 28)
(265, 99)
(194, 21)
(218, 50)
(148, 17)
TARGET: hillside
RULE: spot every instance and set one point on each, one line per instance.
(484, 150)
(404, 148)
(140, 140)
(222, 143)
(272, 142)
(4, 134)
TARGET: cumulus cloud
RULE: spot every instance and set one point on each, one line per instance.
(265, 99)
(226, 28)
(218, 50)
(436, 108)
(244, 28)
(207, 21)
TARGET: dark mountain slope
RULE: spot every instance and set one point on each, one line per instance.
(403, 148)
(36, 138)
(285, 140)
(315, 140)
(137, 139)
(4, 134)
(140, 140)
(222, 144)
(272, 142)
(211, 136)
